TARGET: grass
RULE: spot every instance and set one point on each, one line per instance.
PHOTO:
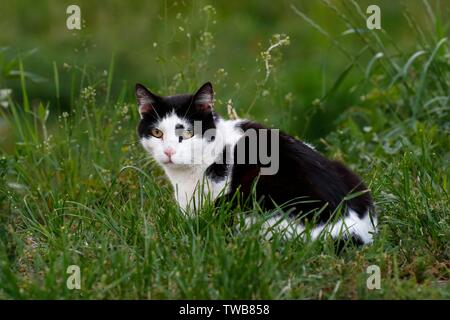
(77, 189)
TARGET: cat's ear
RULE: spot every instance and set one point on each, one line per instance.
(145, 99)
(203, 98)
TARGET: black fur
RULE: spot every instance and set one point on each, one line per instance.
(218, 171)
(305, 181)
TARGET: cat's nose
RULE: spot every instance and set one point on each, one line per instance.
(169, 152)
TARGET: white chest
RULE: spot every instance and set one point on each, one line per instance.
(192, 190)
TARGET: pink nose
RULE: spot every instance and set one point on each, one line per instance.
(169, 152)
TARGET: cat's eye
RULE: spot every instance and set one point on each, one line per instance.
(156, 133)
(187, 134)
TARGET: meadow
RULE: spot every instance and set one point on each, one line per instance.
(76, 188)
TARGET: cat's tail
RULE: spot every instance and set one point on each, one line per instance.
(351, 227)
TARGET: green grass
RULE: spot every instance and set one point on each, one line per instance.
(76, 188)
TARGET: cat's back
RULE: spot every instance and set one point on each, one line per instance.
(305, 179)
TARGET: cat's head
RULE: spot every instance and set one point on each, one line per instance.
(177, 130)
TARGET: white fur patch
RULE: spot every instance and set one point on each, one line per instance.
(310, 145)
(345, 227)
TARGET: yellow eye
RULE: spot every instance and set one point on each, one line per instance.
(187, 134)
(156, 133)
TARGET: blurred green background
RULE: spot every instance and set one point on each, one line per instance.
(175, 46)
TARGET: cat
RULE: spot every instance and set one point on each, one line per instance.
(199, 152)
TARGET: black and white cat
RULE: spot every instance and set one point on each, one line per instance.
(199, 152)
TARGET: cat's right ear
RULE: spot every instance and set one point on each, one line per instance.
(203, 98)
(145, 99)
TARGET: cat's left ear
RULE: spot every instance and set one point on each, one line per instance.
(145, 99)
(203, 98)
